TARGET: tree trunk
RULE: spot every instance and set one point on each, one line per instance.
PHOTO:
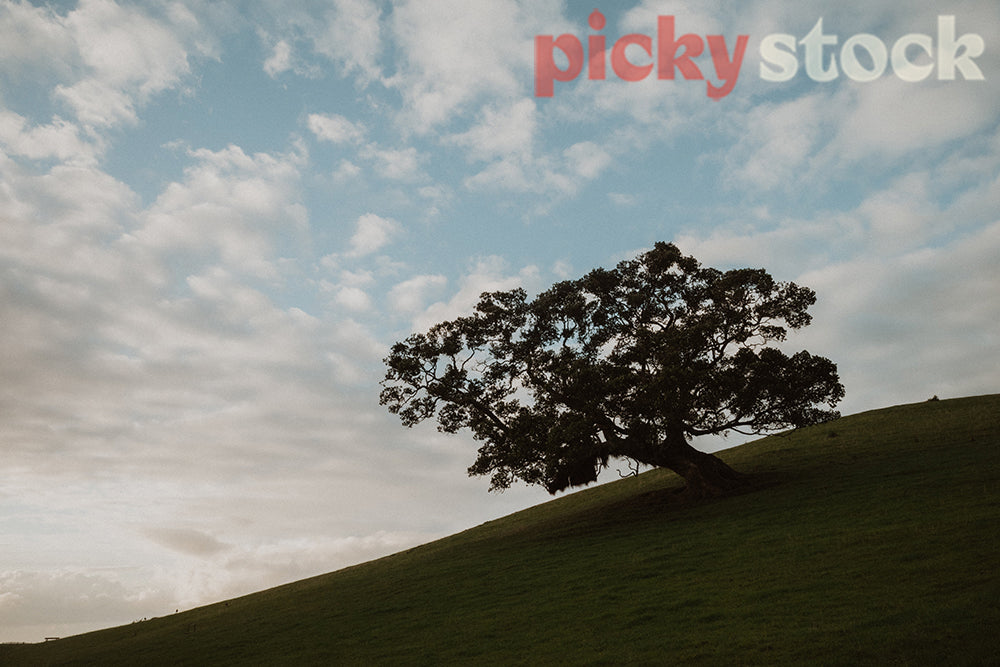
(706, 475)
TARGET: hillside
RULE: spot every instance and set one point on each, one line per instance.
(870, 540)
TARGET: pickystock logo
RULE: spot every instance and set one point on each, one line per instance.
(824, 57)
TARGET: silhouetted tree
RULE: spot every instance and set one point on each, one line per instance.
(623, 363)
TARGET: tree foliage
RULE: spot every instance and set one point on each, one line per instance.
(624, 363)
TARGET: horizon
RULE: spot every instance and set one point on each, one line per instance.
(215, 220)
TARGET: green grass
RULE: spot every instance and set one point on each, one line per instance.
(872, 540)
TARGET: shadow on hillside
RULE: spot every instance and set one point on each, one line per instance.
(667, 501)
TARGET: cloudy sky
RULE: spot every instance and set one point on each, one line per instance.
(215, 219)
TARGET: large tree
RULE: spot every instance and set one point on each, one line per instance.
(625, 363)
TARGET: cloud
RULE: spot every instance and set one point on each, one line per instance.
(411, 295)
(904, 215)
(335, 128)
(401, 164)
(901, 327)
(34, 38)
(187, 541)
(777, 141)
(848, 132)
(922, 118)
(437, 195)
(350, 34)
(346, 171)
(280, 59)
(486, 274)
(169, 306)
(353, 298)
(129, 56)
(70, 599)
(483, 53)
(481, 68)
(502, 129)
(504, 135)
(622, 198)
(102, 299)
(908, 327)
(100, 62)
(231, 204)
(587, 159)
(67, 601)
(563, 270)
(553, 176)
(792, 244)
(371, 233)
(904, 279)
(357, 278)
(59, 139)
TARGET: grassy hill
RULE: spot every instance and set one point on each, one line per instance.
(874, 539)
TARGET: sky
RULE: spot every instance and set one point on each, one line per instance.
(217, 216)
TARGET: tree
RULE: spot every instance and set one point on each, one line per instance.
(625, 363)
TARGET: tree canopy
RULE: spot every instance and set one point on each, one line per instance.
(628, 363)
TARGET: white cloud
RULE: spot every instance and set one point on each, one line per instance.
(793, 244)
(335, 128)
(826, 135)
(372, 232)
(908, 327)
(508, 174)
(411, 295)
(505, 136)
(622, 198)
(587, 159)
(124, 46)
(438, 197)
(778, 140)
(304, 38)
(706, 17)
(350, 34)
(232, 204)
(55, 224)
(98, 305)
(904, 216)
(486, 52)
(356, 278)
(280, 59)
(401, 164)
(920, 118)
(345, 171)
(563, 270)
(130, 57)
(100, 62)
(72, 600)
(353, 298)
(905, 280)
(502, 129)
(67, 601)
(486, 274)
(555, 177)
(482, 64)
(902, 326)
(33, 38)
